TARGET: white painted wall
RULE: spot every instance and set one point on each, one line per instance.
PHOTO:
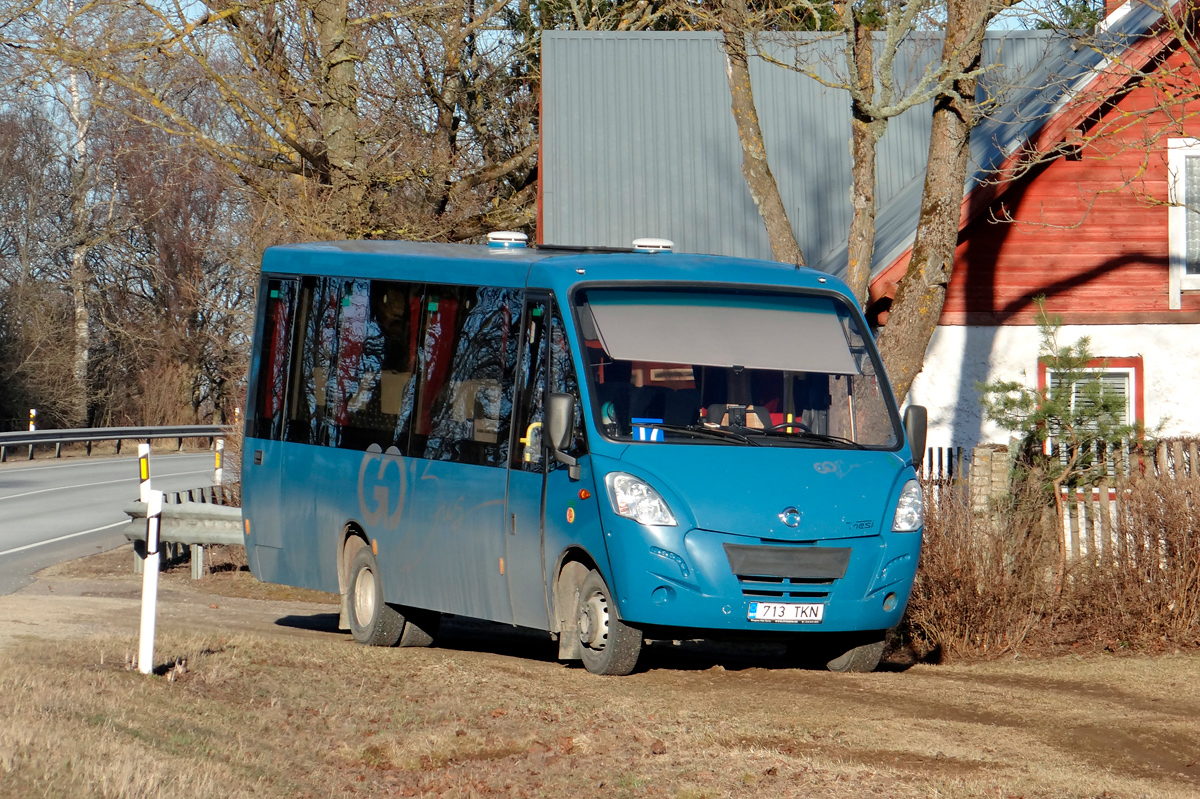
(960, 356)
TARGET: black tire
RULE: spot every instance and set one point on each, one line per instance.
(420, 627)
(373, 622)
(862, 658)
(609, 646)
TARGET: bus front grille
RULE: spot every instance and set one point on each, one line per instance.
(782, 587)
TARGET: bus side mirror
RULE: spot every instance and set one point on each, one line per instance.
(560, 430)
(916, 421)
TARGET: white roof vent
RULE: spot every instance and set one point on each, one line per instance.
(653, 245)
(507, 239)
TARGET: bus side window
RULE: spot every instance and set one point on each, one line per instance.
(441, 323)
(470, 399)
(274, 353)
(564, 381)
(531, 388)
(372, 398)
(312, 359)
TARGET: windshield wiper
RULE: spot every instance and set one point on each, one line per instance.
(701, 431)
(810, 436)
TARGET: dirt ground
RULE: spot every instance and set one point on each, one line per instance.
(258, 694)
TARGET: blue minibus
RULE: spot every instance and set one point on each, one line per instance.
(609, 446)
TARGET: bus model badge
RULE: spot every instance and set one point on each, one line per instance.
(790, 516)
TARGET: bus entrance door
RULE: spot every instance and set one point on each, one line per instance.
(525, 560)
(262, 473)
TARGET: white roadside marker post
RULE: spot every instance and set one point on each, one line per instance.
(218, 472)
(139, 547)
(150, 583)
(144, 472)
(32, 419)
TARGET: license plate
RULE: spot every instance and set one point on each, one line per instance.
(785, 612)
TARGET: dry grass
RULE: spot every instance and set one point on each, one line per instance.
(282, 709)
(245, 716)
(227, 575)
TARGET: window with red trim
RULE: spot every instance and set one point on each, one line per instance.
(1120, 375)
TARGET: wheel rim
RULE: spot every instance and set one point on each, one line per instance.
(364, 597)
(593, 621)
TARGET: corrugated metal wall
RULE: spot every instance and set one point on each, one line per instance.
(639, 140)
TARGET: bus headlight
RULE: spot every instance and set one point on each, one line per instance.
(634, 499)
(910, 510)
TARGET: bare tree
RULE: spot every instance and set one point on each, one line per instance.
(188, 137)
(876, 33)
(921, 293)
(70, 101)
(411, 120)
(734, 21)
(36, 347)
(876, 97)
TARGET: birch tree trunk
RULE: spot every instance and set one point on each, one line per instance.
(922, 292)
(759, 179)
(80, 235)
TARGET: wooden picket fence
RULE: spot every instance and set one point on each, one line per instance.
(1092, 515)
(944, 464)
(1091, 523)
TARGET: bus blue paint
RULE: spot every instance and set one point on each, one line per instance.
(487, 539)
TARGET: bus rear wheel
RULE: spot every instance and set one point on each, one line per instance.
(609, 646)
(373, 622)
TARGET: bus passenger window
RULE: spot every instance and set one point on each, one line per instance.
(372, 400)
(531, 389)
(275, 346)
(316, 332)
(471, 352)
(564, 381)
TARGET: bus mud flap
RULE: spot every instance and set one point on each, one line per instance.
(566, 603)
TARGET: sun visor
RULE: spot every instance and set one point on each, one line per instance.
(795, 334)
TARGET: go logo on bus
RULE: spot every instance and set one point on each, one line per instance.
(375, 486)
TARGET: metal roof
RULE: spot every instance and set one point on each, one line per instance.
(638, 138)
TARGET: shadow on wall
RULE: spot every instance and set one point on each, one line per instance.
(985, 314)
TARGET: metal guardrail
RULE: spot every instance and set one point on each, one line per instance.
(197, 524)
(32, 438)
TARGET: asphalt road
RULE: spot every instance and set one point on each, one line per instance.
(52, 511)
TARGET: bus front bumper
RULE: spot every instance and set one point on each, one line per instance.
(686, 580)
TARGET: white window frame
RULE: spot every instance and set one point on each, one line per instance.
(1130, 373)
(1179, 280)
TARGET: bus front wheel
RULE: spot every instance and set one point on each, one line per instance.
(373, 622)
(609, 646)
(862, 658)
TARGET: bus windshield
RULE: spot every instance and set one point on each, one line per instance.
(741, 369)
